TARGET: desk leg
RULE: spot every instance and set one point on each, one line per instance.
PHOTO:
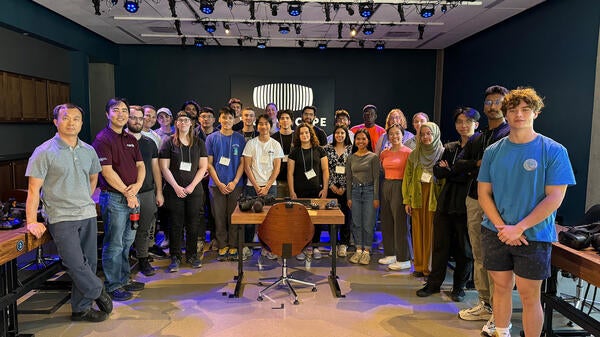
(240, 276)
(8, 284)
(333, 279)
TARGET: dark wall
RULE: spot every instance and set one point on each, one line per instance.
(169, 75)
(558, 60)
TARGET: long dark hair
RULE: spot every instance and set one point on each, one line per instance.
(346, 140)
(366, 132)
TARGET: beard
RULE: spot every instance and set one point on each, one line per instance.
(135, 128)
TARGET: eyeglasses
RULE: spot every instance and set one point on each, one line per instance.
(490, 102)
(467, 122)
(141, 119)
(184, 120)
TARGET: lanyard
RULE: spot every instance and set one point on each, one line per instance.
(304, 161)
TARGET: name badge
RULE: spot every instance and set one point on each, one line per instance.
(224, 161)
(340, 169)
(185, 166)
(310, 174)
(285, 158)
(426, 177)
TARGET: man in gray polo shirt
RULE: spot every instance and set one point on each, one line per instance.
(65, 170)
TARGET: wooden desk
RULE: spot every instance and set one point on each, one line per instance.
(321, 216)
(14, 243)
(582, 264)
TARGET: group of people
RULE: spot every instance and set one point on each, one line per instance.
(488, 199)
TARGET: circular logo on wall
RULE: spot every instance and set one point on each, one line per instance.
(530, 164)
(20, 245)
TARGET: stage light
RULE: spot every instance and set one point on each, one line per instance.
(258, 30)
(199, 42)
(369, 30)
(322, 46)
(336, 7)
(230, 4)
(427, 12)
(298, 28)
(444, 8)
(284, 29)
(226, 27)
(252, 10)
(352, 31)
(365, 9)
(207, 7)
(132, 6)
(349, 9)
(210, 27)
(261, 45)
(114, 2)
(421, 29)
(340, 28)
(294, 8)
(274, 8)
(380, 46)
(327, 9)
(401, 13)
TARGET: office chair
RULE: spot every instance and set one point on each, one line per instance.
(286, 231)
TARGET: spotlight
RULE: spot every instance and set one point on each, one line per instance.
(301, 44)
(427, 12)
(261, 45)
(226, 27)
(401, 13)
(207, 7)
(210, 27)
(380, 46)
(132, 6)
(349, 9)
(444, 8)
(284, 29)
(352, 31)
(199, 42)
(327, 8)
(322, 46)
(274, 8)
(294, 8)
(229, 4)
(365, 9)
(114, 2)
(368, 30)
(298, 28)
(421, 29)
(336, 7)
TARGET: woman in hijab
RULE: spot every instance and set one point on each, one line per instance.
(420, 190)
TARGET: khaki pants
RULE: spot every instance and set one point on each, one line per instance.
(483, 282)
(422, 232)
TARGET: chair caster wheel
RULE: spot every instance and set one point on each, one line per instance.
(314, 290)
(296, 302)
(260, 283)
(260, 298)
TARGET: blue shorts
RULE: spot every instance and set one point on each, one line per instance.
(531, 262)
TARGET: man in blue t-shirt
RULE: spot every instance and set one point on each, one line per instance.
(522, 182)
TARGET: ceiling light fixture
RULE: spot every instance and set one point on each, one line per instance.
(284, 29)
(380, 46)
(349, 9)
(322, 45)
(427, 12)
(252, 10)
(132, 6)
(226, 27)
(294, 8)
(352, 31)
(340, 28)
(327, 9)
(368, 29)
(230, 4)
(298, 28)
(421, 29)
(258, 30)
(401, 13)
(207, 7)
(199, 42)
(261, 45)
(365, 9)
(444, 8)
(274, 8)
(210, 27)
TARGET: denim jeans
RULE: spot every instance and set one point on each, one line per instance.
(118, 237)
(363, 215)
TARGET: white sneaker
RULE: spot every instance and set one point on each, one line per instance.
(387, 260)
(489, 329)
(246, 253)
(365, 258)
(480, 312)
(301, 256)
(264, 252)
(356, 256)
(317, 254)
(399, 265)
(342, 251)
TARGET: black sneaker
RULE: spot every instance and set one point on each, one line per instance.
(134, 286)
(457, 295)
(174, 265)
(120, 294)
(194, 261)
(90, 315)
(157, 251)
(104, 302)
(145, 267)
(427, 291)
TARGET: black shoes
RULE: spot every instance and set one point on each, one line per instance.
(157, 251)
(104, 302)
(134, 286)
(194, 261)
(145, 267)
(90, 315)
(120, 294)
(427, 291)
(457, 295)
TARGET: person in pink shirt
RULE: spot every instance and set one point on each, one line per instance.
(369, 117)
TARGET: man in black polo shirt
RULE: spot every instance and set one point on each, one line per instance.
(122, 176)
(308, 116)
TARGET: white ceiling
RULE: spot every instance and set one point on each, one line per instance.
(153, 23)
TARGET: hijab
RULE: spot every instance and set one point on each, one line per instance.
(428, 154)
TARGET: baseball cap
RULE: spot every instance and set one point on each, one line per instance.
(164, 110)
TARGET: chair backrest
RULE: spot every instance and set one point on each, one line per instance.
(286, 229)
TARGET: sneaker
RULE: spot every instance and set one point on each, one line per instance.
(399, 265)
(145, 267)
(387, 260)
(120, 294)
(356, 256)
(222, 256)
(246, 253)
(214, 245)
(200, 247)
(174, 265)
(418, 274)
(342, 251)
(480, 312)
(164, 243)
(157, 251)
(317, 254)
(301, 256)
(427, 291)
(264, 252)
(104, 302)
(233, 254)
(489, 329)
(194, 261)
(90, 315)
(365, 258)
(134, 286)
(457, 295)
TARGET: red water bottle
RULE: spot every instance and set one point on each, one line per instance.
(134, 218)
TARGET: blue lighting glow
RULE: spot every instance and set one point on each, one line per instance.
(261, 45)
(427, 12)
(322, 46)
(380, 46)
(132, 6)
(206, 7)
